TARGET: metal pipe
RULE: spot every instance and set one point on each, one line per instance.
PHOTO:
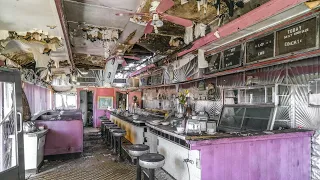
(138, 170)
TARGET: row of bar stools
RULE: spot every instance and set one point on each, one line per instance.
(136, 151)
(102, 127)
(112, 135)
(108, 135)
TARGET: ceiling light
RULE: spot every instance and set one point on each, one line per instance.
(138, 68)
(157, 23)
(126, 68)
(131, 65)
(119, 14)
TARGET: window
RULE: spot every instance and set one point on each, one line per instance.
(65, 101)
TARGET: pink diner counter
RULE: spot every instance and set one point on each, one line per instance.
(65, 133)
(269, 155)
(282, 155)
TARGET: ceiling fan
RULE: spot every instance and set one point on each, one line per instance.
(157, 16)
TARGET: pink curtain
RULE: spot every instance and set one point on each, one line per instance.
(39, 98)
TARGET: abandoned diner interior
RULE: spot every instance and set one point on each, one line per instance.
(160, 89)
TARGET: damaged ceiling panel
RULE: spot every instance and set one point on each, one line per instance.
(33, 37)
(89, 61)
(97, 33)
(96, 15)
(93, 40)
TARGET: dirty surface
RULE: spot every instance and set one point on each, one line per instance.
(96, 163)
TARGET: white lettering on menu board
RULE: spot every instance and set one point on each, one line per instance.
(260, 53)
(293, 32)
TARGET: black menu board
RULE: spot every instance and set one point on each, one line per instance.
(261, 48)
(297, 37)
(213, 63)
(156, 79)
(232, 57)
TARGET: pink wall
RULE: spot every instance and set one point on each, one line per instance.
(97, 112)
(39, 98)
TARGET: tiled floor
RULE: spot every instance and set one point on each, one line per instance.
(96, 163)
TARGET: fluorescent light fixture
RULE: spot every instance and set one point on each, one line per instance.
(126, 68)
(131, 65)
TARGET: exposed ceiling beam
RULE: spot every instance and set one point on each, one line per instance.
(65, 31)
(99, 6)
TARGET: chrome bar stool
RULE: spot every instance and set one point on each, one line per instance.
(151, 161)
(136, 151)
(113, 142)
(102, 129)
(106, 135)
(118, 134)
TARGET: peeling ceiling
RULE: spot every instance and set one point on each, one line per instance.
(27, 20)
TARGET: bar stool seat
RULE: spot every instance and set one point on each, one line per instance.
(137, 150)
(118, 133)
(151, 160)
(113, 128)
(103, 118)
(105, 132)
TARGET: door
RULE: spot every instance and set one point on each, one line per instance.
(11, 135)
(84, 106)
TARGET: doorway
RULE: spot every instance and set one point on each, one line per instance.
(122, 100)
(86, 106)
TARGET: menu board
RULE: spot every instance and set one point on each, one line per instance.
(213, 63)
(232, 57)
(297, 37)
(156, 79)
(261, 48)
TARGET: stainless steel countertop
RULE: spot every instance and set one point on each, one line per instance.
(39, 133)
(167, 129)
